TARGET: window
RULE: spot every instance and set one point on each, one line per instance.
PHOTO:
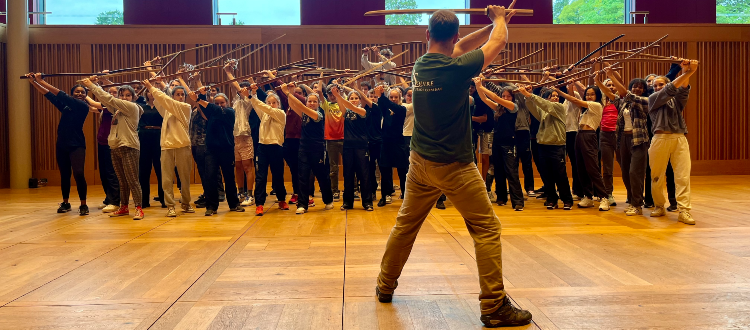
(422, 19)
(274, 12)
(588, 11)
(77, 12)
(733, 11)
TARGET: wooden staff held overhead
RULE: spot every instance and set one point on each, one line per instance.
(592, 53)
(473, 11)
(186, 50)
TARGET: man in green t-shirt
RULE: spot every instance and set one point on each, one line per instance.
(442, 162)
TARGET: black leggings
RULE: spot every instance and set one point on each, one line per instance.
(71, 160)
(150, 157)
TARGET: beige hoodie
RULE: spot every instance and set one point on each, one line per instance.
(176, 124)
(126, 114)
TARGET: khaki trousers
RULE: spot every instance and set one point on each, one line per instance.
(182, 158)
(463, 185)
(665, 148)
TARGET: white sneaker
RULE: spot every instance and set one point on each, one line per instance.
(611, 200)
(492, 196)
(531, 193)
(171, 213)
(628, 208)
(586, 202)
(101, 206)
(604, 204)
(301, 210)
(388, 199)
(110, 208)
(634, 211)
(686, 218)
(248, 201)
(658, 212)
(329, 206)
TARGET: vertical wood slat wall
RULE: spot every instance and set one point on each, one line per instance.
(719, 125)
(4, 151)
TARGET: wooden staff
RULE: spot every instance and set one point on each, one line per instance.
(75, 74)
(213, 60)
(256, 74)
(121, 84)
(647, 59)
(563, 78)
(120, 74)
(186, 50)
(399, 43)
(508, 81)
(520, 73)
(612, 56)
(586, 77)
(373, 68)
(647, 47)
(308, 61)
(521, 67)
(592, 53)
(319, 78)
(646, 55)
(520, 59)
(473, 11)
(261, 47)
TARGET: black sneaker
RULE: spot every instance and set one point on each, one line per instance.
(238, 208)
(551, 206)
(381, 202)
(672, 208)
(440, 205)
(567, 206)
(648, 205)
(541, 196)
(222, 197)
(64, 208)
(368, 207)
(501, 203)
(383, 297)
(210, 212)
(506, 316)
(273, 192)
(83, 210)
(346, 207)
(518, 208)
(199, 205)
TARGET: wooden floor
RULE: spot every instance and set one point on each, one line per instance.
(580, 269)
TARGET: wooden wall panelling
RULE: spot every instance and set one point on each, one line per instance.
(723, 90)
(49, 58)
(4, 159)
(269, 57)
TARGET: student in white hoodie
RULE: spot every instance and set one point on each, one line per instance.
(270, 150)
(123, 140)
(175, 144)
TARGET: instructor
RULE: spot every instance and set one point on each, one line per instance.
(441, 159)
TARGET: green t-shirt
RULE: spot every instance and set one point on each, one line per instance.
(442, 117)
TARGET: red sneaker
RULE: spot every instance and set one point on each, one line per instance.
(259, 210)
(311, 202)
(138, 213)
(293, 200)
(283, 206)
(123, 211)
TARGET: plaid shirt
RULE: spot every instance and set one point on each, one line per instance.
(638, 106)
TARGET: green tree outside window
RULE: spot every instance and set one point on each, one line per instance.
(406, 19)
(588, 11)
(111, 17)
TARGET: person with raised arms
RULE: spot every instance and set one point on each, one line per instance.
(441, 160)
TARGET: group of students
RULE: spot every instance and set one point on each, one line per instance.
(369, 126)
(641, 127)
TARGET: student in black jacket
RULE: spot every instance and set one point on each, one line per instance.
(70, 148)
(393, 151)
(220, 143)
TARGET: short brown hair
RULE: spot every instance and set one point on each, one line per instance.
(443, 25)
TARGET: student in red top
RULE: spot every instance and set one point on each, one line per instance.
(608, 141)
(334, 133)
